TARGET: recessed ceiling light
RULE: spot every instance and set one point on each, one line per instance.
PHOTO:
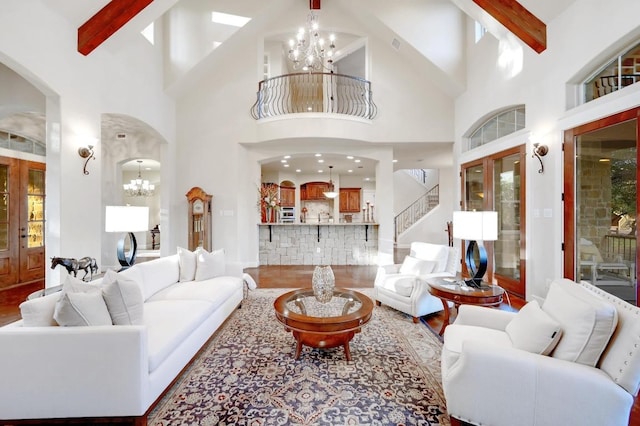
(320, 171)
(350, 171)
(287, 157)
(321, 161)
(298, 170)
(283, 161)
(318, 155)
(286, 165)
(367, 179)
(395, 161)
(349, 157)
(356, 161)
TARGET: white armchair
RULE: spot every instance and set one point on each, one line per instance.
(491, 373)
(403, 286)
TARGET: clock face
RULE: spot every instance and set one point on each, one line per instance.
(198, 207)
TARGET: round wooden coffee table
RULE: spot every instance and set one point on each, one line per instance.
(323, 325)
(450, 290)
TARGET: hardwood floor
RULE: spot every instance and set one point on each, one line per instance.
(280, 277)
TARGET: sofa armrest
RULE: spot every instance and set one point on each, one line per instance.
(480, 387)
(233, 269)
(51, 372)
(481, 316)
(385, 270)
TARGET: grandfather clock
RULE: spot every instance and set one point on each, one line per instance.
(199, 219)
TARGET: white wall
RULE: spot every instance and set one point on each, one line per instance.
(541, 85)
(41, 46)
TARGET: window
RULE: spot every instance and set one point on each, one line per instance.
(480, 31)
(21, 144)
(621, 71)
(497, 126)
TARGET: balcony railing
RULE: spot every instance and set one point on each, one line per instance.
(314, 92)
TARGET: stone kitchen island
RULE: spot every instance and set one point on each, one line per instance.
(318, 243)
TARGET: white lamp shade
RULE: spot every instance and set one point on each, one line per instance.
(476, 226)
(126, 219)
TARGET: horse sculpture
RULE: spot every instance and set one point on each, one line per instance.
(87, 264)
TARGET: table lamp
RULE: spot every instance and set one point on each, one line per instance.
(127, 219)
(475, 228)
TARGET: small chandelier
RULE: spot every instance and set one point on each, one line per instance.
(138, 187)
(309, 50)
(331, 193)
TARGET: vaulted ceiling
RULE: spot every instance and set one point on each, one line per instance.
(116, 13)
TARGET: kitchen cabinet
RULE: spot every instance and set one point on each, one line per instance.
(313, 191)
(287, 196)
(349, 200)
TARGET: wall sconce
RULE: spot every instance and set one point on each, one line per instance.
(538, 152)
(86, 152)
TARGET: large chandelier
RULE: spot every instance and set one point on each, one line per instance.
(139, 187)
(309, 51)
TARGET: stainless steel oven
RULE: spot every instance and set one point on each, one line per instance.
(287, 214)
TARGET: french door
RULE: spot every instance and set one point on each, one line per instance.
(497, 183)
(22, 208)
(601, 204)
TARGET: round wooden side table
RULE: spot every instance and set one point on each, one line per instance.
(451, 290)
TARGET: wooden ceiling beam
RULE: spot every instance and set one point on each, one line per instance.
(522, 23)
(106, 22)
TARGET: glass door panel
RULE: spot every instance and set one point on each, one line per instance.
(506, 178)
(35, 201)
(474, 188)
(4, 207)
(605, 202)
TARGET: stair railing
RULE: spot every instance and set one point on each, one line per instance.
(416, 211)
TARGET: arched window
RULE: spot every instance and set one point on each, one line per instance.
(498, 125)
(621, 71)
(22, 144)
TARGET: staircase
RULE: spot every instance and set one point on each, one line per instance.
(416, 211)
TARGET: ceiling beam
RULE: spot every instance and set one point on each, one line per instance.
(522, 23)
(106, 22)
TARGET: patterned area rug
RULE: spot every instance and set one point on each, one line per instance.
(247, 375)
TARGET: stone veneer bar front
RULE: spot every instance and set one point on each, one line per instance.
(318, 243)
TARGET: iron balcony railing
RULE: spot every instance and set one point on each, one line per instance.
(314, 92)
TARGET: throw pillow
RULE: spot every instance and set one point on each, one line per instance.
(123, 298)
(587, 321)
(533, 330)
(209, 265)
(81, 304)
(414, 266)
(38, 312)
(187, 260)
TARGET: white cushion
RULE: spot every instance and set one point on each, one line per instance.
(434, 252)
(209, 265)
(169, 322)
(158, 274)
(414, 266)
(38, 312)
(587, 321)
(455, 335)
(123, 298)
(81, 304)
(533, 330)
(187, 261)
(400, 284)
(215, 290)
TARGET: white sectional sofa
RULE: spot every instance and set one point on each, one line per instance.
(90, 371)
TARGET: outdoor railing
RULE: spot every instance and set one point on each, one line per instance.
(314, 92)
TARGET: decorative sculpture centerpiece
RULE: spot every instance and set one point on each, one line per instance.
(323, 283)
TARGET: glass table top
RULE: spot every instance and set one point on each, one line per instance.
(305, 303)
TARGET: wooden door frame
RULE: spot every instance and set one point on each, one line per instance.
(509, 284)
(13, 253)
(569, 190)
